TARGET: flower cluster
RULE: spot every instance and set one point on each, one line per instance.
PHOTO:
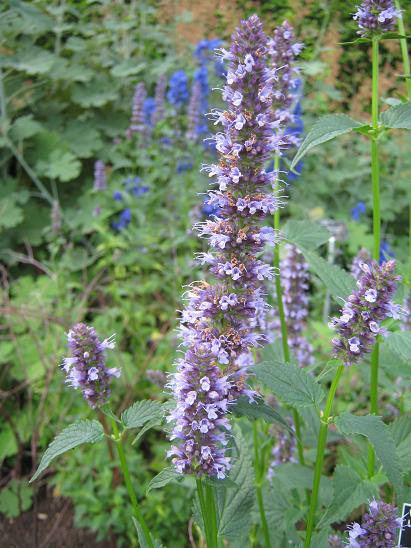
(295, 284)
(365, 309)
(159, 100)
(133, 187)
(362, 257)
(357, 211)
(284, 450)
(177, 94)
(138, 115)
(378, 529)
(218, 325)
(376, 16)
(100, 179)
(86, 367)
(149, 107)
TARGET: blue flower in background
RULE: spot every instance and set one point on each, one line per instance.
(177, 94)
(201, 76)
(291, 176)
(123, 220)
(386, 251)
(149, 107)
(205, 48)
(358, 210)
(184, 164)
(133, 186)
(117, 196)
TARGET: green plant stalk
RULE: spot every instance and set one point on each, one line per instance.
(375, 175)
(407, 71)
(208, 512)
(281, 312)
(322, 440)
(211, 508)
(259, 476)
(129, 485)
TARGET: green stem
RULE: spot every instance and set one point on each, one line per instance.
(211, 508)
(407, 71)
(322, 440)
(208, 512)
(375, 175)
(283, 323)
(129, 485)
(259, 475)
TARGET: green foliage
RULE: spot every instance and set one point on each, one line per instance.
(15, 498)
(337, 281)
(141, 413)
(305, 235)
(166, 476)
(397, 117)
(257, 410)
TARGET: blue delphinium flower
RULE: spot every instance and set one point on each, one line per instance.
(376, 16)
(117, 196)
(184, 164)
(386, 251)
(123, 221)
(133, 186)
(159, 99)
(204, 50)
(177, 94)
(357, 211)
(149, 107)
(86, 367)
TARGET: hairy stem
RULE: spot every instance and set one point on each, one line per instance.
(322, 440)
(375, 175)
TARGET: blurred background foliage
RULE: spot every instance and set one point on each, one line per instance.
(68, 74)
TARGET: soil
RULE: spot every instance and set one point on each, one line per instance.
(50, 525)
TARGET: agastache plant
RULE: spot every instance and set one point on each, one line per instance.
(378, 529)
(137, 121)
(159, 99)
(363, 257)
(376, 16)
(215, 324)
(100, 178)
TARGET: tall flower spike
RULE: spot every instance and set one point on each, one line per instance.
(100, 179)
(294, 281)
(218, 324)
(376, 16)
(159, 99)
(137, 122)
(193, 112)
(86, 367)
(378, 529)
(365, 309)
(362, 257)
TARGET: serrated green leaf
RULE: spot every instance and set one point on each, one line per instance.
(142, 412)
(25, 127)
(337, 281)
(127, 68)
(325, 129)
(82, 138)
(33, 60)
(258, 410)
(400, 343)
(96, 93)
(350, 491)
(401, 432)
(83, 431)
(141, 538)
(397, 117)
(61, 165)
(290, 384)
(235, 504)
(164, 477)
(305, 234)
(373, 428)
(10, 214)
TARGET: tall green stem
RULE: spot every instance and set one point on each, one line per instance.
(322, 440)
(407, 71)
(208, 512)
(375, 175)
(129, 485)
(259, 476)
(283, 323)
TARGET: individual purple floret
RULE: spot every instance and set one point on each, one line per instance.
(218, 325)
(193, 112)
(86, 367)
(283, 50)
(363, 312)
(137, 122)
(284, 450)
(100, 179)
(378, 529)
(295, 284)
(159, 99)
(363, 256)
(376, 16)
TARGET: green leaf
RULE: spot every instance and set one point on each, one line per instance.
(127, 68)
(141, 538)
(337, 281)
(325, 129)
(276, 505)
(350, 491)
(25, 127)
(142, 412)
(61, 165)
(166, 476)
(15, 498)
(33, 60)
(96, 93)
(83, 431)
(397, 117)
(235, 504)
(10, 213)
(400, 343)
(401, 432)
(379, 435)
(305, 234)
(257, 410)
(82, 138)
(290, 384)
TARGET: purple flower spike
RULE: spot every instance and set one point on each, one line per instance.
(284, 450)
(294, 281)
(193, 112)
(362, 257)
(137, 122)
(219, 324)
(86, 367)
(376, 16)
(365, 309)
(159, 99)
(100, 179)
(378, 529)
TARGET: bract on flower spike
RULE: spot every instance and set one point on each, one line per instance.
(365, 309)
(218, 325)
(86, 367)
